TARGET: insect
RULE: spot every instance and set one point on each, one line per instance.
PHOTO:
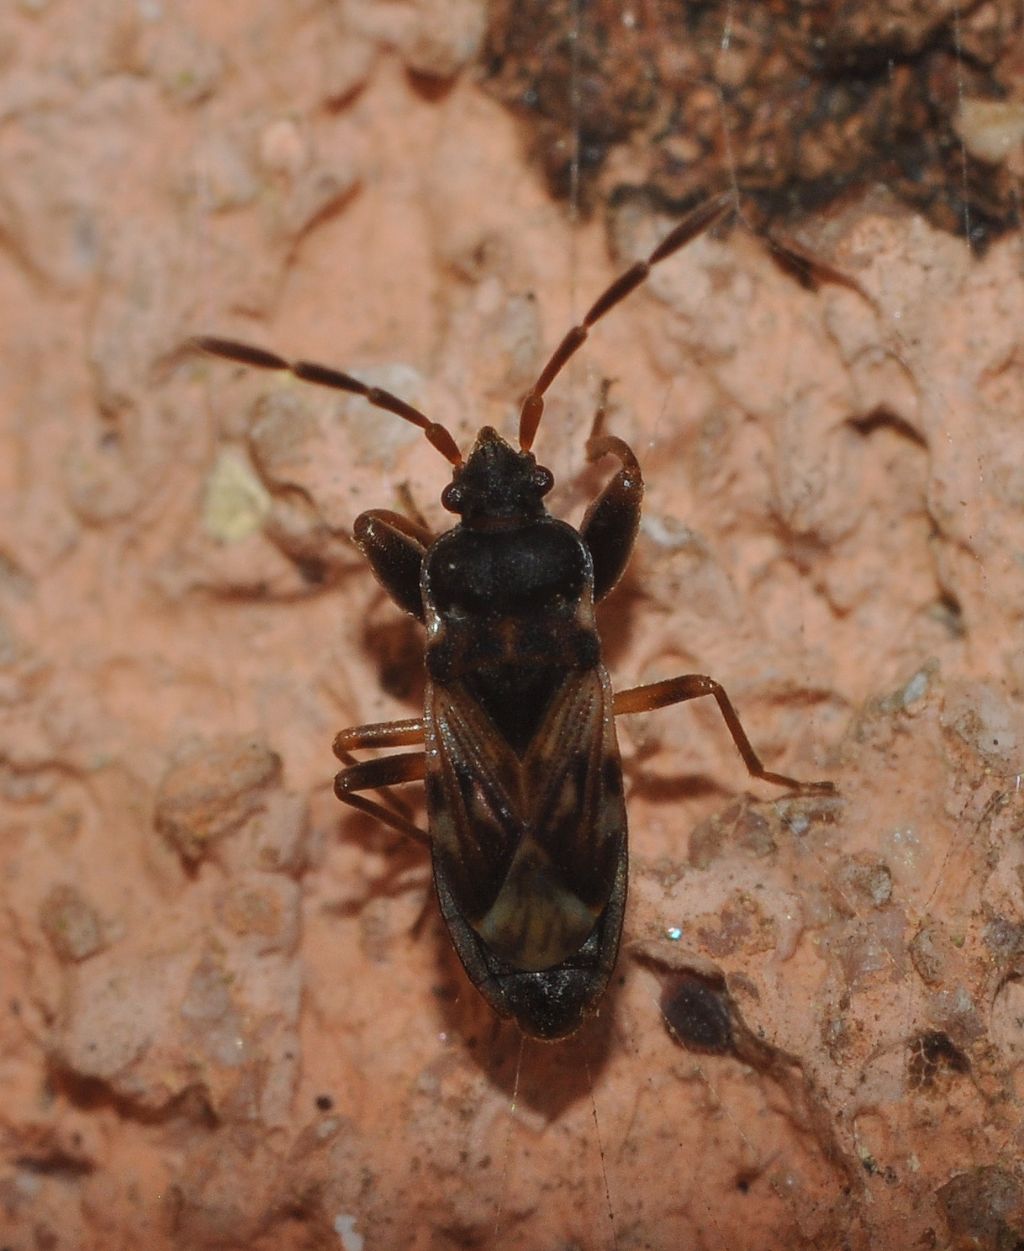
(517, 744)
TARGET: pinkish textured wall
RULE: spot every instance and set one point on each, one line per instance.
(220, 1026)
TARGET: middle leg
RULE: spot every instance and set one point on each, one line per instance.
(404, 733)
(693, 686)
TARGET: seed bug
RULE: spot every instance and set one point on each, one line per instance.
(517, 744)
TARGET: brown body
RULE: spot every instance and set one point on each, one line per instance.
(524, 790)
(517, 747)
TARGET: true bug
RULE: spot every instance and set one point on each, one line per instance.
(517, 745)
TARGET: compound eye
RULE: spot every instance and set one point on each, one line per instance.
(543, 479)
(451, 498)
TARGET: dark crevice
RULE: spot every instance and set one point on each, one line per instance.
(829, 100)
(91, 1093)
(57, 1164)
(886, 419)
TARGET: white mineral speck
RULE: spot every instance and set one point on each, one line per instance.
(345, 1228)
(667, 531)
(235, 502)
(991, 129)
(915, 688)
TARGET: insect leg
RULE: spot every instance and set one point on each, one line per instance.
(380, 734)
(405, 733)
(394, 546)
(692, 686)
(610, 525)
(376, 774)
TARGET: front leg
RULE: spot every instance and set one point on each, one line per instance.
(611, 522)
(692, 686)
(394, 547)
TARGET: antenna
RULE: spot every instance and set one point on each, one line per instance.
(694, 224)
(323, 376)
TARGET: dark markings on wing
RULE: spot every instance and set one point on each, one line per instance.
(554, 804)
(477, 826)
(576, 819)
(516, 698)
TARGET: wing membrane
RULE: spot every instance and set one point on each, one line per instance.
(573, 781)
(561, 804)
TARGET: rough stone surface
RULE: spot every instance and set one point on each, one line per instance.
(227, 1021)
